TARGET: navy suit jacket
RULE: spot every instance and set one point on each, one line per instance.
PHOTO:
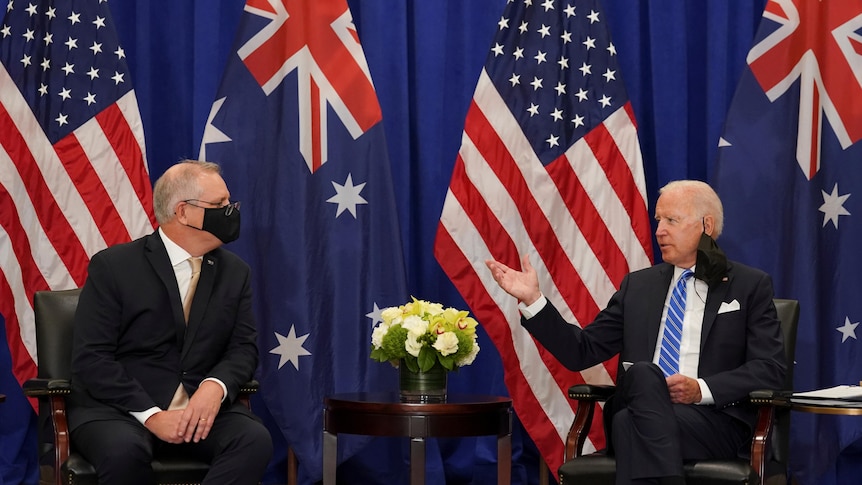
(740, 351)
(132, 347)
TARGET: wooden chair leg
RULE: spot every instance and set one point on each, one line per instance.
(291, 466)
(543, 472)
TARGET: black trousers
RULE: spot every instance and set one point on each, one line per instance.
(238, 449)
(652, 436)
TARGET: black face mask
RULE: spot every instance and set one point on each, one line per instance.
(711, 261)
(219, 224)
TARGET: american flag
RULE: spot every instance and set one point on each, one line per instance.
(73, 173)
(549, 165)
(787, 172)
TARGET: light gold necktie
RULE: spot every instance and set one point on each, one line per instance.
(193, 283)
(181, 397)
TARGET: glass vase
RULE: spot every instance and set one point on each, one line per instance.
(422, 387)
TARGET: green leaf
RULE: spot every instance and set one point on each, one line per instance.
(427, 358)
(448, 362)
(411, 363)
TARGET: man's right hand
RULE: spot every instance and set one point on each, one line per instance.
(523, 285)
(164, 425)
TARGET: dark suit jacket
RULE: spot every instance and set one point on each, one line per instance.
(740, 351)
(131, 344)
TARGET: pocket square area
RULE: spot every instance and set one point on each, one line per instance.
(728, 306)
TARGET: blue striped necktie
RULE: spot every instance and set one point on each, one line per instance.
(672, 338)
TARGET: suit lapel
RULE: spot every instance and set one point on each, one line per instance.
(203, 293)
(715, 296)
(157, 255)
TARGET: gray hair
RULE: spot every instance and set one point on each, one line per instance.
(179, 183)
(704, 200)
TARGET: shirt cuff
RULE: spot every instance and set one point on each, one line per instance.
(705, 394)
(529, 311)
(223, 387)
(143, 416)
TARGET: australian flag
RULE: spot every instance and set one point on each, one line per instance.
(790, 175)
(296, 126)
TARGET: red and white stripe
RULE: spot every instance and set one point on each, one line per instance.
(582, 219)
(61, 203)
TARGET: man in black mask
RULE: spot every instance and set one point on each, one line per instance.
(695, 335)
(164, 338)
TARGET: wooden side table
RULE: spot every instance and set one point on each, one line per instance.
(383, 414)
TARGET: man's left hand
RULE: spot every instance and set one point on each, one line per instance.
(198, 417)
(683, 390)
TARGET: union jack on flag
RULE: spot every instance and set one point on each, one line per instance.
(788, 170)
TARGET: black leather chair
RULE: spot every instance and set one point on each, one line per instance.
(55, 315)
(769, 447)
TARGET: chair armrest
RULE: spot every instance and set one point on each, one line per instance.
(46, 387)
(246, 390)
(591, 392)
(588, 396)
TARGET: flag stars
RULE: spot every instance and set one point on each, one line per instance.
(29, 35)
(71, 43)
(533, 109)
(96, 48)
(48, 39)
(90, 98)
(26, 61)
(557, 114)
(548, 5)
(536, 83)
(69, 69)
(9, 5)
(848, 330)
(51, 13)
(120, 53)
(523, 27)
(117, 78)
(6, 31)
(586, 69)
(515, 79)
(31, 9)
(65, 93)
(519, 53)
(93, 73)
(593, 16)
(347, 196)
(589, 43)
(62, 119)
(563, 62)
(290, 348)
(833, 206)
(578, 121)
(611, 49)
(609, 75)
(497, 50)
(99, 22)
(560, 88)
(570, 11)
(540, 57)
(46, 64)
(74, 18)
(43, 89)
(503, 23)
(605, 101)
(582, 95)
(553, 141)
(566, 37)
(544, 31)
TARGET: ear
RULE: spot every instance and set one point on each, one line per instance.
(708, 225)
(180, 212)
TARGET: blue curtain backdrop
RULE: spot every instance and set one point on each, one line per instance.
(681, 61)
